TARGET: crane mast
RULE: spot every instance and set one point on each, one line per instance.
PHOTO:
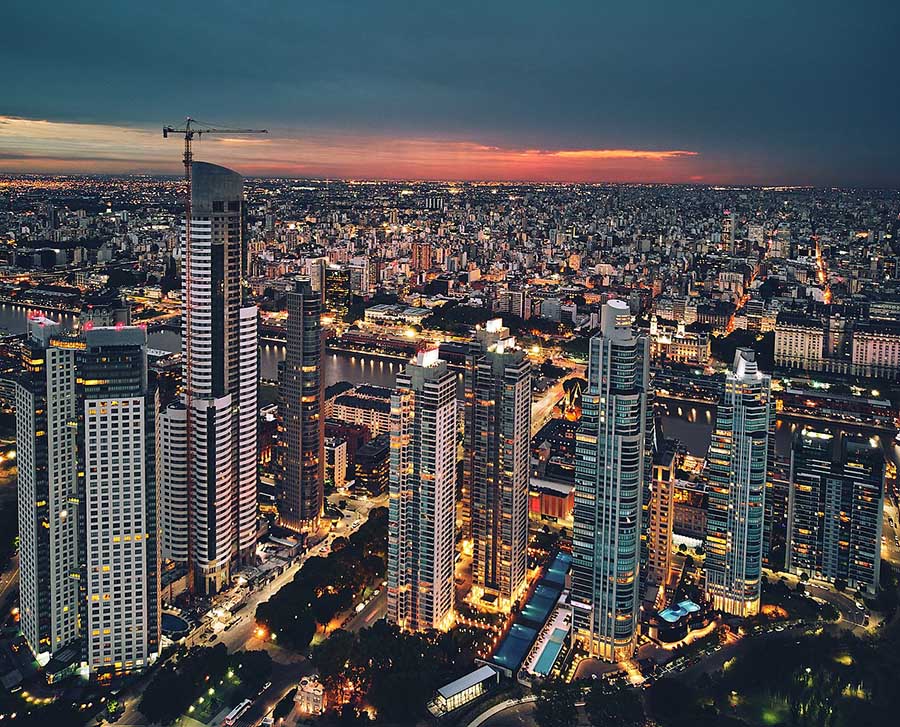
(189, 130)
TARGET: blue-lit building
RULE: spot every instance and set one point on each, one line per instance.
(609, 489)
(737, 467)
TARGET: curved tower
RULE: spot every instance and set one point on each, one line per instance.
(738, 456)
(220, 360)
(609, 486)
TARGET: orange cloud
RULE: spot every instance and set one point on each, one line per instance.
(34, 145)
(619, 154)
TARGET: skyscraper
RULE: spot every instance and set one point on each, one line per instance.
(421, 522)
(835, 509)
(118, 409)
(299, 490)
(338, 292)
(737, 468)
(315, 271)
(47, 463)
(173, 485)
(89, 545)
(729, 227)
(497, 455)
(421, 256)
(220, 359)
(609, 474)
(661, 514)
(776, 508)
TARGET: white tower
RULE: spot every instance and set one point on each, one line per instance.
(421, 525)
(220, 358)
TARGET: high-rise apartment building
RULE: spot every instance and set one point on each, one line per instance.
(336, 462)
(315, 271)
(609, 487)
(117, 410)
(220, 379)
(373, 465)
(47, 461)
(173, 484)
(89, 555)
(737, 470)
(776, 507)
(421, 256)
(729, 228)
(835, 509)
(514, 302)
(661, 514)
(421, 522)
(497, 458)
(338, 293)
(300, 480)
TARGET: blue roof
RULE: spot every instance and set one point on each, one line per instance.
(679, 610)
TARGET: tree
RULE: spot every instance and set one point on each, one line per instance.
(119, 277)
(253, 668)
(333, 655)
(555, 705)
(621, 708)
(285, 706)
(177, 684)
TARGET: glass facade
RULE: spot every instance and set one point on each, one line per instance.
(737, 469)
(609, 489)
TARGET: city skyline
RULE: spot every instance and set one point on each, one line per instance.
(477, 363)
(509, 92)
(560, 429)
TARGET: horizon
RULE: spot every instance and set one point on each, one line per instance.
(714, 186)
(765, 95)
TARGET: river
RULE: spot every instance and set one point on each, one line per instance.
(693, 423)
(337, 367)
(689, 422)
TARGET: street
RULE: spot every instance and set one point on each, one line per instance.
(9, 579)
(890, 550)
(288, 666)
(542, 409)
(514, 716)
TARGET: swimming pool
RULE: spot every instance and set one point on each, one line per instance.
(173, 625)
(515, 646)
(540, 604)
(679, 610)
(558, 569)
(550, 653)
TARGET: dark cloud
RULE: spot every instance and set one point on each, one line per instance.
(804, 91)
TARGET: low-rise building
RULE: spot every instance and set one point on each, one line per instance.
(310, 697)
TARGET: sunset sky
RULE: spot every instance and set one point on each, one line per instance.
(768, 92)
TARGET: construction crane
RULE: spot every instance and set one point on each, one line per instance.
(189, 130)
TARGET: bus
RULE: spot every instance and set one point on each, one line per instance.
(235, 714)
